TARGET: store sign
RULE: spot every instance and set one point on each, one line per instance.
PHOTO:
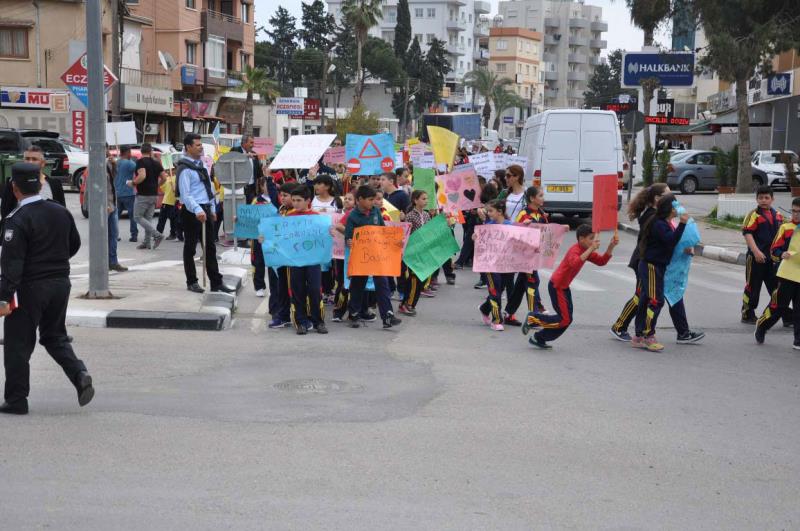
(665, 120)
(79, 129)
(146, 99)
(290, 106)
(666, 107)
(619, 108)
(311, 109)
(192, 109)
(672, 69)
(722, 101)
(27, 98)
(76, 78)
(779, 84)
(508, 119)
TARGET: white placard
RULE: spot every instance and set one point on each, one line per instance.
(120, 133)
(518, 159)
(484, 163)
(500, 161)
(425, 161)
(301, 152)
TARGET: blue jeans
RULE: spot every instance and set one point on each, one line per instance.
(126, 203)
(113, 234)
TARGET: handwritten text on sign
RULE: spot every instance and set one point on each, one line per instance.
(376, 251)
(296, 241)
(505, 249)
(248, 217)
(461, 189)
(550, 239)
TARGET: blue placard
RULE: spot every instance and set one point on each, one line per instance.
(296, 241)
(677, 274)
(248, 217)
(371, 154)
(779, 84)
(672, 69)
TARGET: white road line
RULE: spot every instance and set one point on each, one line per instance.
(629, 278)
(257, 323)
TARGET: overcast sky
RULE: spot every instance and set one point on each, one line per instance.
(621, 34)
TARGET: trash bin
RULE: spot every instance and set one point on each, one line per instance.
(6, 161)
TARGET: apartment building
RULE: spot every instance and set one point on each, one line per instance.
(514, 53)
(459, 23)
(572, 44)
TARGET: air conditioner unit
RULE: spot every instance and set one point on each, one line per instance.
(519, 79)
(151, 129)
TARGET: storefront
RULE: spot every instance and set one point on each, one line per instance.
(150, 108)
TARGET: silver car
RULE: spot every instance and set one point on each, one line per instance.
(692, 171)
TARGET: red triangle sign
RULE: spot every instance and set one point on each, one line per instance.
(375, 153)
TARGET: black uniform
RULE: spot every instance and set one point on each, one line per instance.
(39, 238)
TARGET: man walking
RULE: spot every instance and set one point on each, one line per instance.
(199, 209)
(149, 177)
(39, 238)
(123, 187)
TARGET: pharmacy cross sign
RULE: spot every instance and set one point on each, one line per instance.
(76, 78)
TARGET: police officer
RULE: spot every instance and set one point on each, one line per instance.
(39, 238)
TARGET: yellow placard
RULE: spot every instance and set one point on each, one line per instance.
(391, 210)
(444, 144)
(790, 267)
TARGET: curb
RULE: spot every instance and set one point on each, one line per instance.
(711, 252)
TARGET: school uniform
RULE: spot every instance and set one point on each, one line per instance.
(763, 226)
(413, 284)
(257, 259)
(358, 218)
(496, 283)
(632, 306)
(305, 290)
(281, 306)
(341, 295)
(527, 284)
(786, 293)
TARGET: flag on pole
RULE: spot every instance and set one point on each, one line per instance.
(444, 144)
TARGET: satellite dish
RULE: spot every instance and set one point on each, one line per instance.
(167, 61)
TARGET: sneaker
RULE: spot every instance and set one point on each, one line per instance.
(638, 342)
(143, 246)
(118, 268)
(391, 320)
(652, 345)
(278, 323)
(353, 322)
(368, 317)
(170, 238)
(480, 285)
(336, 319)
(751, 319)
(302, 330)
(407, 310)
(796, 346)
(458, 266)
(538, 343)
(759, 334)
(133, 239)
(621, 335)
(527, 327)
(511, 320)
(487, 320)
(451, 281)
(260, 293)
(433, 287)
(497, 327)
(157, 240)
(690, 337)
(321, 328)
(428, 293)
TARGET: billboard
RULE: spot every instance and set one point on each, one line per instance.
(672, 69)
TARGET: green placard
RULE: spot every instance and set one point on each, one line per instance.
(425, 180)
(429, 247)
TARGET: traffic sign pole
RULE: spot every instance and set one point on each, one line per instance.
(96, 188)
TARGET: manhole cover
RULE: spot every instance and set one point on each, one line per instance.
(316, 386)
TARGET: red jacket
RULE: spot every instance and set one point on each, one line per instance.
(572, 264)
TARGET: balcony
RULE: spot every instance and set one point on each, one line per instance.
(456, 98)
(456, 25)
(550, 93)
(551, 40)
(216, 78)
(549, 58)
(551, 75)
(575, 94)
(481, 55)
(576, 40)
(235, 79)
(192, 75)
(455, 76)
(221, 25)
(580, 23)
(139, 78)
(576, 76)
(595, 60)
(454, 49)
(599, 25)
(481, 30)
(482, 7)
(577, 58)
(552, 22)
(598, 44)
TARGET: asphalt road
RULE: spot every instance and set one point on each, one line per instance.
(437, 424)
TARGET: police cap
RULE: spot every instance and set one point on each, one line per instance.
(24, 173)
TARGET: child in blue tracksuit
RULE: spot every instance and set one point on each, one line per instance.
(490, 309)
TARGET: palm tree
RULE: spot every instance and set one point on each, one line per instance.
(361, 15)
(255, 81)
(647, 15)
(484, 83)
(504, 99)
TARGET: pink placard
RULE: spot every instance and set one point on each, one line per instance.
(264, 146)
(406, 230)
(505, 249)
(551, 236)
(461, 189)
(338, 237)
(334, 155)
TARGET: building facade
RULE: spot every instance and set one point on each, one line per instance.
(571, 47)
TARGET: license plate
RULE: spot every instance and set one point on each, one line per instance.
(560, 188)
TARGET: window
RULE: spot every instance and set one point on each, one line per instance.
(215, 56)
(519, 68)
(190, 4)
(132, 2)
(501, 44)
(418, 36)
(418, 12)
(388, 36)
(245, 13)
(511, 13)
(462, 40)
(500, 67)
(469, 42)
(244, 60)
(191, 53)
(431, 12)
(391, 15)
(470, 18)
(528, 69)
(429, 38)
(14, 42)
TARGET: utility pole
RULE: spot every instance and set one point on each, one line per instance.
(96, 189)
(323, 90)
(405, 113)
(116, 90)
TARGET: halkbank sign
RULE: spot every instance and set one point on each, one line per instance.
(672, 69)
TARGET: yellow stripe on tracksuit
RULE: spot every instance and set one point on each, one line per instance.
(651, 294)
(495, 307)
(773, 301)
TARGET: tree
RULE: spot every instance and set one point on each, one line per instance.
(742, 37)
(414, 64)
(485, 83)
(402, 30)
(380, 62)
(359, 122)
(605, 82)
(256, 81)
(504, 99)
(283, 40)
(344, 50)
(647, 15)
(360, 16)
(316, 26)
(263, 54)
(306, 67)
(431, 75)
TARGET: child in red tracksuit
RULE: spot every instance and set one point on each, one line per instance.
(552, 326)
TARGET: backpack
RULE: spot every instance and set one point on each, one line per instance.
(183, 164)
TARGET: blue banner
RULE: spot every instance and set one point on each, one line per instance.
(369, 154)
(248, 217)
(672, 69)
(296, 241)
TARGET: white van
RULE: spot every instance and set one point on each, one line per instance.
(566, 148)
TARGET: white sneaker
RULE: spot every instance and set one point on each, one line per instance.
(260, 293)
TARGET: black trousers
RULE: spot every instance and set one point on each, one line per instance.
(526, 286)
(755, 275)
(468, 246)
(413, 287)
(786, 293)
(42, 305)
(305, 289)
(341, 296)
(257, 259)
(281, 305)
(192, 233)
(169, 213)
(357, 296)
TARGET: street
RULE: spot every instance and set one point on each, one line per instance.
(437, 424)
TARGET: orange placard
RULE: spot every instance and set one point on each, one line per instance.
(376, 251)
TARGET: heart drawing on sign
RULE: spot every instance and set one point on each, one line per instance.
(452, 198)
(452, 185)
(469, 194)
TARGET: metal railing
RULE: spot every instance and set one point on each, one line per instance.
(140, 78)
(223, 16)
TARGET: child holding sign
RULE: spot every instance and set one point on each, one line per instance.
(341, 294)
(554, 325)
(256, 254)
(281, 318)
(490, 309)
(418, 217)
(305, 283)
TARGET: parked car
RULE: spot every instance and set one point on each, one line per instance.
(770, 164)
(692, 171)
(15, 141)
(73, 159)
